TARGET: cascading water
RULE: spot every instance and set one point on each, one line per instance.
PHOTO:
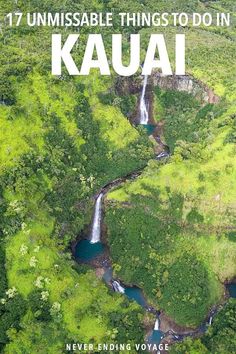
(156, 335)
(117, 287)
(143, 107)
(96, 227)
(86, 251)
(156, 326)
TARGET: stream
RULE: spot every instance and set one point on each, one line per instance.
(88, 249)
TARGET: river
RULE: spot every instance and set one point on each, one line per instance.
(89, 249)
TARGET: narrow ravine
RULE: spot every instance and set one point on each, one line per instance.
(149, 124)
(89, 249)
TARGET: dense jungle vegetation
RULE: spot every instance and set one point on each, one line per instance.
(220, 337)
(62, 139)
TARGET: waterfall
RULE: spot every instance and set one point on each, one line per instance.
(156, 326)
(143, 107)
(210, 320)
(117, 287)
(96, 227)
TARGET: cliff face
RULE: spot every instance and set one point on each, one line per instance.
(185, 83)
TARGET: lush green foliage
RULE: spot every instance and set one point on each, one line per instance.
(179, 213)
(62, 139)
(186, 121)
(60, 144)
(168, 267)
(10, 315)
(220, 337)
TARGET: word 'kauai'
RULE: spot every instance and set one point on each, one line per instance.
(95, 48)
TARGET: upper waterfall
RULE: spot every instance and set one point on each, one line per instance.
(96, 226)
(142, 106)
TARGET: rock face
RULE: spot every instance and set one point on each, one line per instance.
(125, 86)
(185, 83)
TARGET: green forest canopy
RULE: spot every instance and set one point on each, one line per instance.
(61, 142)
